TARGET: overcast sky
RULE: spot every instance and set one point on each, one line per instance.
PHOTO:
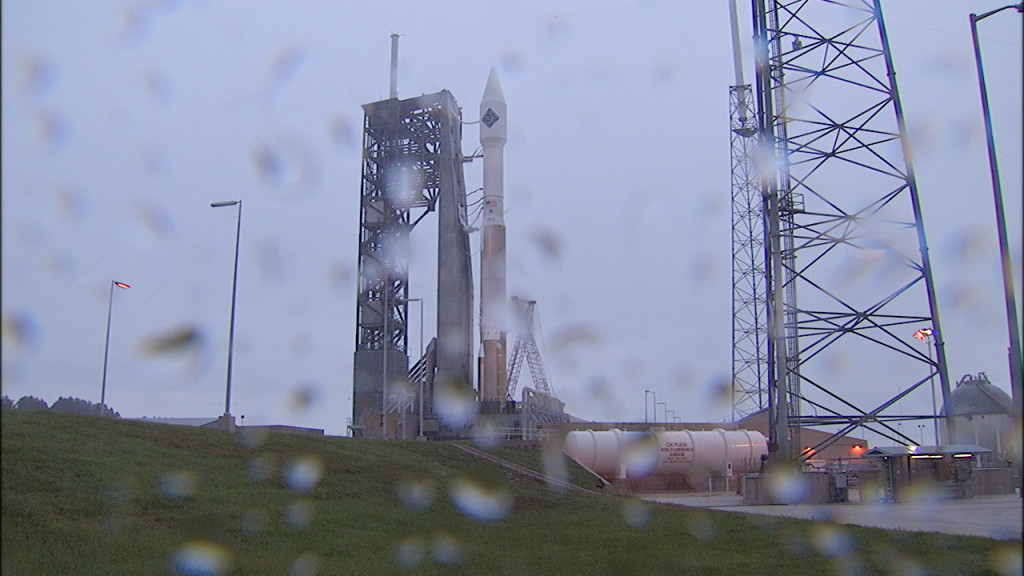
(123, 121)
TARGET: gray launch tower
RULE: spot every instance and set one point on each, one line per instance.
(412, 165)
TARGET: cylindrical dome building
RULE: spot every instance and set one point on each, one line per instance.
(983, 415)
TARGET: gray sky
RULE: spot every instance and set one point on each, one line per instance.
(123, 121)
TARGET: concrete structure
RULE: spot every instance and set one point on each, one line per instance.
(228, 424)
(996, 517)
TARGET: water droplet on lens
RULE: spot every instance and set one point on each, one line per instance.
(177, 485)
(251, 436)
(702, 528)
(445, 549)
(479, 503)
(299, 514)
(303, 474)
(832, 542)
(416, 495)
(636, 513)
(198, 558)
(304, 565)
(260, 468)
(410, 553)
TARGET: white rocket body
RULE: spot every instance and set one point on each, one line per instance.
(493, 135)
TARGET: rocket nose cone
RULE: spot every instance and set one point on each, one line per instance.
(493, 91)
(493, 124)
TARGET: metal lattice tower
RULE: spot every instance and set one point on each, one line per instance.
(412, 164)
(749, 308)
(843, 226)
(525, 348)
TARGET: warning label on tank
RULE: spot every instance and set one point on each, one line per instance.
(676, 453)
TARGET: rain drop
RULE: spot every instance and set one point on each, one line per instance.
(298, 514)
(478, 503)
(177, 485)
(303, 474)
(410, 553)
(198, 558)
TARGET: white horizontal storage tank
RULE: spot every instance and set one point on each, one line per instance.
(614, 454)
(717, 452)
(601, 452)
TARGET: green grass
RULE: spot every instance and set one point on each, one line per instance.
(96, 496)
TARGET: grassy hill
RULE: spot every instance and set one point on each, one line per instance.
(98, 496)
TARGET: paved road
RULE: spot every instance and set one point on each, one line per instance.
(988, 516)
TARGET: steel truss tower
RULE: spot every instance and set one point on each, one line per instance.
(749, 308)
(843, 228)
(412, 165)
(525, 349)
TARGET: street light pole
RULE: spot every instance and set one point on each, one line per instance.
(106, 347)
(646, 392)
(234, 293)
(1004, 252)
(656, 410)
(926, 335)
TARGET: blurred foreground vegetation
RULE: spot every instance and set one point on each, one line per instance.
(87, 495)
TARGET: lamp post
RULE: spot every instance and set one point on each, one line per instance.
(234, 293)
(926, 335)
(646, 392)
(1004, 252)
(656, 410)
(106, 347)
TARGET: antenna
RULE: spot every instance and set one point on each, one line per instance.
(394, 66)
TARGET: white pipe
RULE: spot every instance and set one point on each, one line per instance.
(737, 59)
(394, 66)
(737, 55)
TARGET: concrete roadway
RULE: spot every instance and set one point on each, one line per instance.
(996, 516)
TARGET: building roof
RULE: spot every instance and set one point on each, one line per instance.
(943, 450)
(975, 395)
(197, 422)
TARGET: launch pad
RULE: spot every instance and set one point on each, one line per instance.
(412, 166)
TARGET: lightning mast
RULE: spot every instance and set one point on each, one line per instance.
(843, 227)
(749, 309)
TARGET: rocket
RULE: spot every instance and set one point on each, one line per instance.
(493, 134)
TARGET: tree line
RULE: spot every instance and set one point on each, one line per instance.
(61, 406)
